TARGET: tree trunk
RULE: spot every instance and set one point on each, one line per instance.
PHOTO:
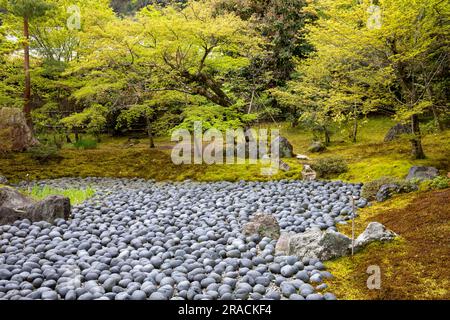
(416, 141)
(150, 134)
(355, 128)
(326, 136)
(27, 93)
(437, 121)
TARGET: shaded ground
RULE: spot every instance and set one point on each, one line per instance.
(414, 267)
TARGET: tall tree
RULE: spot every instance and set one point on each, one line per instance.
(27, 10)
(390, 53)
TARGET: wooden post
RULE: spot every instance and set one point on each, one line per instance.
(353, 224)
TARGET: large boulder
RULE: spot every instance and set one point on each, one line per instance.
(49, 209)
(12, 198)
(15, 206)
(396, 131)
(282, 246)
(15, 135)
(422, 173)
(285, 147)
(316, 146)
(264, 225)
(375, 231)
(317, 244)
(9, 215)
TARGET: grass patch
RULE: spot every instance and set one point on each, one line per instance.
(85, 144)
(76, 196)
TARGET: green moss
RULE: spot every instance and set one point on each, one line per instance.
(368, 159)
(350, 281)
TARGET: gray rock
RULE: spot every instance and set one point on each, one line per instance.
(11, 198)
(264, 225)
(316, 146)
(422, 173)
(314, 296)
(317, 244)
(386, 191)
(15, 133)
(157, 296)
(396, 131)
(287, 289)
(375, 231)
(285, 147)
(329, 296)
(49, 209)
(288, 271)
(138, 295)
(296, 296)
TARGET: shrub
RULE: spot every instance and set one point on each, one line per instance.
(85, 144)
(44, 153)
(327, 167)
(370, 189)
(440, 182)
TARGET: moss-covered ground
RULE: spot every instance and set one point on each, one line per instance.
(369, 158)
(415, 266)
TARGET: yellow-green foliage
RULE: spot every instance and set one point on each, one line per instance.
(76, 196)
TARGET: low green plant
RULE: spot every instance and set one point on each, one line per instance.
(329, 167)
(370, 189)
(438, 183)
(44, 152)
(76, 196)
(85, 144)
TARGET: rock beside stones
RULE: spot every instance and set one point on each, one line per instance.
(12, 198)
(386, 191)
(315, 244)
(264, 225)
(396, 131)
(15, 206)
(334, 244)
(282, 246)
(285, 147)
(316, 146)
(49, 209)
(375, 231)
(9, 215)
(422, 173)
(15, 135)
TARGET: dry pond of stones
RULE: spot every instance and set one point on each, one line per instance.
(140, 240)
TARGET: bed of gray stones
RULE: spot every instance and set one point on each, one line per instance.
(138, 239)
